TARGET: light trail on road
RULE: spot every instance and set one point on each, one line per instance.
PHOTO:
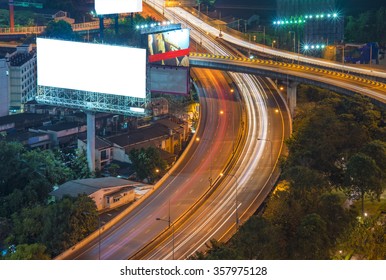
(180, 14)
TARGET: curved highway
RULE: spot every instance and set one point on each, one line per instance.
(240, 191)
(334, 80)
(199, 170)
(244, 186)
(184, 184)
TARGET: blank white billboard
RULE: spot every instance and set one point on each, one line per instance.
(91, 67)
(107, 7)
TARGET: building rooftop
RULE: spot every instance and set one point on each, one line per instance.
(144, 134)
(100, 143)
(62, 126)
(22, 118)
(6, 50)
(90, 185)
(19, 59)
(24, 136)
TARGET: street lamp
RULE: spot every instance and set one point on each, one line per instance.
(233, 126)
(273, 42)
(270, 142)
(236, 208)
(198, 139)
(170, 225)
(294, 40)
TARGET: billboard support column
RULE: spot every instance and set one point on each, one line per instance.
(116, 18)
(101, 27)
(91, 140)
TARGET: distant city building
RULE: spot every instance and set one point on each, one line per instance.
(314, 21)
(22, 122)
(17, 79)
(4, 80)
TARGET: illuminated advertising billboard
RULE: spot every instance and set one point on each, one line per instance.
(169, 48)
(91, 67)
(107, 7)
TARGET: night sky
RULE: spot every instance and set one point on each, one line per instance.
(352, 7)
(347, 6)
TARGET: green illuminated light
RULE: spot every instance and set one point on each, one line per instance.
(301, 19)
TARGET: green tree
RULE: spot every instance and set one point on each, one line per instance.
(257, 239)
(67, 222)
(79, 166)
(34, 251)
(312, 239)
(27, 226)
(41, 170)
(367, 240)
(305, 182)
(10, 165)
(363, 177)
(377, 151)
(146, 162)
(337, 218)
(217, 251)
(284, 213)
(27, 177)
(113, 169)
(60, 30)
(317, 142)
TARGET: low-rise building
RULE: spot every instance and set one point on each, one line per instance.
(168, 135)
(103, 150)
(63, 133)
(22, 122)
(107, 192)
(31, 140)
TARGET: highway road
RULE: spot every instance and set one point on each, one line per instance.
(191, 19)
(328, 78)
(184, 184)
(232, 192)
(243, 186)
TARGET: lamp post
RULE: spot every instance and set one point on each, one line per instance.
(170, 225)
(294, 41)
(233, 126)
(169, 219)
(198, 139)
(236, 199)
(270, 142)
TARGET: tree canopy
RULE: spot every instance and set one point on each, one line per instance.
(147, 163)
(60, 30)
(338, 143)
(36, 229)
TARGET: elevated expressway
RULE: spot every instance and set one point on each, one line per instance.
(194, 202)
(242, 141)
(293, 74)
(200, 203)
(198, 21)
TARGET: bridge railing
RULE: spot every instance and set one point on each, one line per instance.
(23, 30)
(90, 24)
(40, 29)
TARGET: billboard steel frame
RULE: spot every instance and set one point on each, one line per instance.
(93, 101)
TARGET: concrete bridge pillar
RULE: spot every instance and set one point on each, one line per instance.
(291, 96)
(91, 140)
